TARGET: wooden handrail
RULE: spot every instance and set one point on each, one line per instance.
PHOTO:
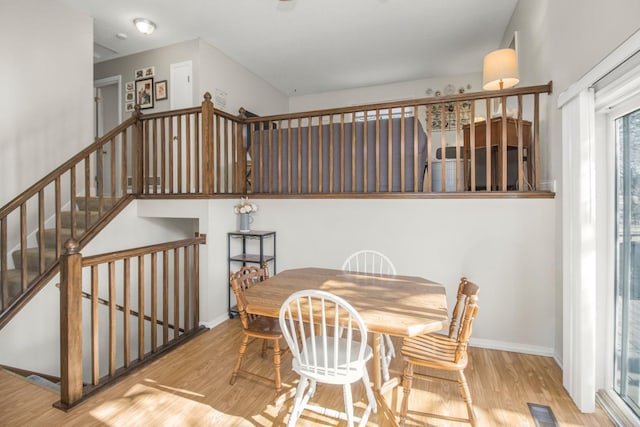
(33, 190)
(547, 88)
(413, 146)
(171, 113)
(142, 250)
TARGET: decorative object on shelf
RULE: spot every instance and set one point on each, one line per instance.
(244, 209)
(449, 120)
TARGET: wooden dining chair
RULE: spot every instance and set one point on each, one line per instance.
(374, 262)
(443, 352)
(320, 355)
(257, 327)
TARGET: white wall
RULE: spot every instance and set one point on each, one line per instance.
(242, 87)
(161, 59)
(47, 90)
(212, 70)
(506, 246)
(415, 89)
(561, 41)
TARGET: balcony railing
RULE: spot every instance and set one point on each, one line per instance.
(443, 144)
(143, 300)
(471, 144)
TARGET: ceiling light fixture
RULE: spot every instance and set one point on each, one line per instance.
(145, 26)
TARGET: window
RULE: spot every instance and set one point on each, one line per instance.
(627, 295)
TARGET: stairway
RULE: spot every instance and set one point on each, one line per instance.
(33, 253)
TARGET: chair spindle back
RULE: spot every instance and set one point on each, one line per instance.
(242, 280)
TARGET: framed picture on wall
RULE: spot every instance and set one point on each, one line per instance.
(129, 106)
(129, 87)
(130, 96)
(144, 93)
(138, 74)
(161, 90)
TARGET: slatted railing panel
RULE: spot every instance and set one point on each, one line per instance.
(443, 144)
(172, 152)
(35, 224)
(192, 151)
(153, 288)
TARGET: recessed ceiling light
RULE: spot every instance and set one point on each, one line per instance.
(121, 36)
(144, 25)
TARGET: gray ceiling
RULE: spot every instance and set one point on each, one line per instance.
(312, 46)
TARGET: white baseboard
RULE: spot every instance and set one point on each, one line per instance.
(558, 360)
(209, 324)
(509, 346)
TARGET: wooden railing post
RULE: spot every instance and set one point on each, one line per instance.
(70, 325)
(137, 168)
(241, 152)
(207, 144)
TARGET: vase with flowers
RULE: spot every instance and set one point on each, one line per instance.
(244, 209)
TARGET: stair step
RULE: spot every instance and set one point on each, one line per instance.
(94, 203)
(33, 258)
(14, 282)
(14, 276)
(65, 234)
(80, 219)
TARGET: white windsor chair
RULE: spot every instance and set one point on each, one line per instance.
(371, 261)
(309, 320)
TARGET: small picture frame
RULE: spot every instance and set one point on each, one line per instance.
(161, 90)
(149, 72)
(138, 74)
(129, 87)
(130, 106)
(130, 96)
(144, 93)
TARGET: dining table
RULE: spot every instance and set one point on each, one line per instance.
(401, 306)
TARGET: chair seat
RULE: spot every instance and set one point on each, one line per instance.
(433, 351)
(264, 327)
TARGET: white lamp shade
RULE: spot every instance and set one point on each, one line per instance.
(500, 70)
(144, 25)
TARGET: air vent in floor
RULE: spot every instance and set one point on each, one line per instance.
(542, 415)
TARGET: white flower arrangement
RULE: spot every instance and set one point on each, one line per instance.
(245, 206)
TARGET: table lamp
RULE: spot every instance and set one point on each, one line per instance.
(500, 70)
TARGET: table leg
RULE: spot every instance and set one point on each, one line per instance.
(377, 363)
(384, 412)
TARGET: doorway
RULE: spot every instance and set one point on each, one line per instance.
(627, 297)
(181, 85)
(107, 115)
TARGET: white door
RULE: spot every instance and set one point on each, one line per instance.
(107, 115)
(181, 85)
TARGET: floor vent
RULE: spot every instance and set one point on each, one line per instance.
(542, 415)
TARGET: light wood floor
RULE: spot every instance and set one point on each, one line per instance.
(190, 387)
